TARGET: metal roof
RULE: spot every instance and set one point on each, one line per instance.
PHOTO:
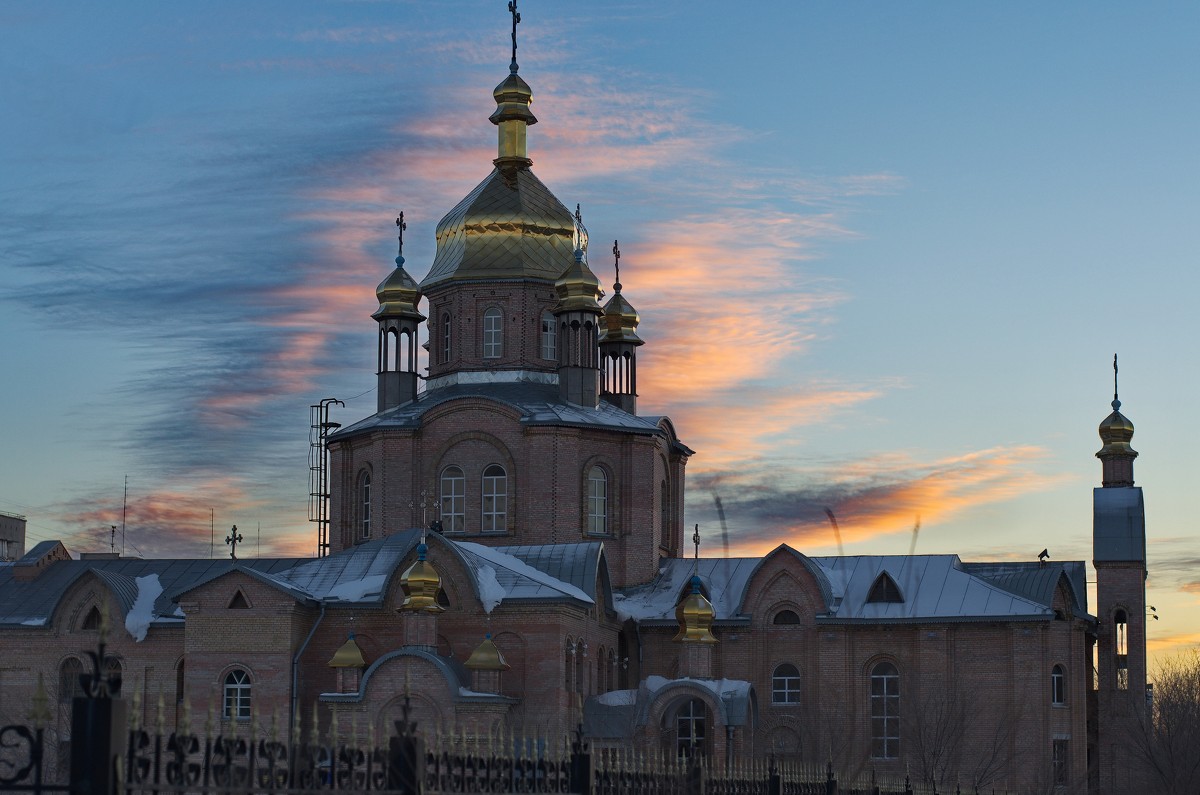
(538, 404)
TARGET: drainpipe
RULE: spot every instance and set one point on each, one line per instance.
(296, 671)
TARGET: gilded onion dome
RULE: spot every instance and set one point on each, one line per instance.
(577, 288)
(510, 226)
(487, 657)
(421, 583)
(695, 615)
(398, 295)
(1115, 433)
(620, 319)
(349, 655)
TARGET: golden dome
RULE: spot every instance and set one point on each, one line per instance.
(577, 288)
(620, 319)
(695, 615)
(398, 295)
(513, 97)
(487, 657)
(348, 656)
(421, 584)
(1116, 432)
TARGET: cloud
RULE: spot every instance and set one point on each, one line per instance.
(766, 504)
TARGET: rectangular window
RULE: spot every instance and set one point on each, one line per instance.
(3, 549)
(1060, 766)
(885, 712)
(454, 501)
(495, 500)
(549, 337)
(493, 334)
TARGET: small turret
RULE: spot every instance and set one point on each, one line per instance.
(619, 342)
(421, 583)
(487, 663)
(398, 320)
(577, 315)
(349, 662)
(695, 616)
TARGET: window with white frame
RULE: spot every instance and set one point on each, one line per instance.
(785, 684)
(237, 695)
(493, 334)
(445, 337)
(690, 727)
(885, 711)
(453, 500)
(597, 500)
(364, 504)
(1121, 630)
(1058, 686)
(549, 337)
(495, 499)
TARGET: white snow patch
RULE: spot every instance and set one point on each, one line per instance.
(358, 590)
(491, 592)
(618, 698)
(644, 604)
(142, 613)
(462, 691)
(179, 612)
(501, 560)
(723, 688)
(34, 622)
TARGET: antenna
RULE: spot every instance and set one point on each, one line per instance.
(124, 506)
(212, 534)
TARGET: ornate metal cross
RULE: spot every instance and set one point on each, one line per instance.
(516, 17)
(233, 539)
(401, 226)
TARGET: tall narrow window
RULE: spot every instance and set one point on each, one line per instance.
(237, 695)
(885, 711)
(495, 499)
(454, 500)
(690, 728)
(597, 501)
(1121, 631)
(1058, 686)
(664, 510)
(445, 337)
(785, 685)
(364, 505)
(493, 334)
(1059, 763)
(69, 685)
(549, 337)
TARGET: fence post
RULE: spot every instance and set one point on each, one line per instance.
(831, 786)
(694, 776)
(582, 780)
(406, 756)
(774, 779)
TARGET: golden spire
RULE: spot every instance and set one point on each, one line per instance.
(513, 116)
(487, 657)
(1116, 431)
(620, 318)
(695, 613)
(398, 294)
(349, 655)
(421, 583)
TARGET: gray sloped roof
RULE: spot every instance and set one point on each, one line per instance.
(724, 580)
(1036, 581)
(538, 404)
(577, 564)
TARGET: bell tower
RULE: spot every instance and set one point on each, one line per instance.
(619, 342)
(1119, 556)
(398, 320)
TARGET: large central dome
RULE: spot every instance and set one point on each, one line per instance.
(509, 227)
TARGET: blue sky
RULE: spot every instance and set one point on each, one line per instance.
(883, 252)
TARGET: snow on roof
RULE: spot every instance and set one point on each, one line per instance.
(138, 619)
(518, 579)
(724, 579)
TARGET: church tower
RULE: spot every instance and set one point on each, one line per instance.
(619, 342)
(1119, 555)
(399, 320)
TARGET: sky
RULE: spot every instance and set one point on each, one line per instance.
(883, 254)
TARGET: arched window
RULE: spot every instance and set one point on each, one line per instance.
(664, 511)
(493, 334)
(68, 679)
(495, 499)
(569, 666)
(884, 590)
(601, 684)
(549, 337)
(885, 711)
(1058, 686)
(364, 504)
(1121, 637)
(454, 500)
(597, 501)
(92, 619)
(690, 728)
(786, 617)
(237, 695)
(785, 684)
(445, 337)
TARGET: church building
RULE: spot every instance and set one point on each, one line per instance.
(506, 547)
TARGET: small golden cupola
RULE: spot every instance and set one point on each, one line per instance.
(1116, 432)
(421, 583)
(348, 661)
(619, 342)
(577, 315)
(487, 657)
(399, 320)
(695, 615)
